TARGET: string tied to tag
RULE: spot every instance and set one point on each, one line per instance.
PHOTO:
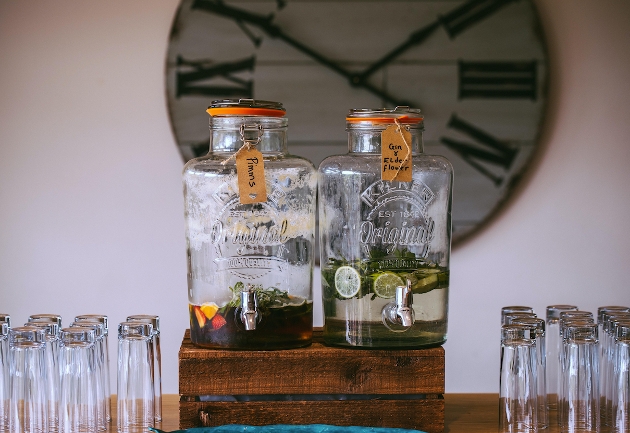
(399, 128)
(248, 143)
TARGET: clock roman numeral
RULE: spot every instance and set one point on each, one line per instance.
(194, 81)
(496, 152)
(497, 80)
(470, 13)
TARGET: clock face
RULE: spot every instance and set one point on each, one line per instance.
(477, 69)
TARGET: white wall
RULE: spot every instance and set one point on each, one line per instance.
(90, 198)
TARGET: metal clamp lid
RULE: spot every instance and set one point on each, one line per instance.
(403, 114)
(246, 107)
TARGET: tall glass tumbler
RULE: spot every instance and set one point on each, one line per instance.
(580, 407)
(78, 409)
(509, 318)
(28, 413)
(553, 346)
(98, 353)
(53, 371)
(101, 318)
(607, 316)
(136, 403)
(565, 322)
(601, 319)
(621, 397)
(541, 367)
(56, 318)
(517, 395)
(157, 358)
(514, 309)
(5, 377)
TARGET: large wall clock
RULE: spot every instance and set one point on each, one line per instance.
(477, 69)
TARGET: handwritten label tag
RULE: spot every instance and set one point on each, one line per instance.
(396, 154)
(250, 172)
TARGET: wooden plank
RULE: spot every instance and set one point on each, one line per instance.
(316, 369)
(426, 415)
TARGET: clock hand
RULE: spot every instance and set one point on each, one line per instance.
(415, 38)
(454, 22)
(265, 23)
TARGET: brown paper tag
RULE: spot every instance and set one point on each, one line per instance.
(250, 171)
(396, 154)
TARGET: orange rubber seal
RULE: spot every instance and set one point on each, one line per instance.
(401, 119)
(245, 111)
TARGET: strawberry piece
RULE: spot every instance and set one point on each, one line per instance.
(218, 321)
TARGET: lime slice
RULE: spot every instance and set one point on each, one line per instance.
(426, 284)
(347, 281)
(386, 283)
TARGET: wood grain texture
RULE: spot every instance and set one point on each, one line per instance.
(464, 413)
(426, 415)
(316, 369)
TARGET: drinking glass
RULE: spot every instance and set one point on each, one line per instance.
(610, 381)
(568, 318)
(53, 371)
(510, 317)
(514, 309)
(580, 404)
(101, 318)
(56, 318)
(78, 410)
(28, 410)
(541, 367)
(136, 403)
(5, 378)
(97, 351)
(157, 359)
(606, 327)
(621, 397)
(517, 395)
(553, 345)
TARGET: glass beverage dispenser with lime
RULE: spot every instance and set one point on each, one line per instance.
(385, 235)
(250, 231)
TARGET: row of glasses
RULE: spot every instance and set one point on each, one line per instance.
(73, 370)
(586, 369)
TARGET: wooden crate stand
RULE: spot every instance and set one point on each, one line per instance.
(312, 385)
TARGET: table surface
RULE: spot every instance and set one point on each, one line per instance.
(470, 413)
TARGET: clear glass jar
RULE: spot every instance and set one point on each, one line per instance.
(250, 265)
(385, 245)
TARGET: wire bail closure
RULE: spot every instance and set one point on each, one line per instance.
(247, 143)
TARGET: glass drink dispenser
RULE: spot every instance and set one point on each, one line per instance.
(385, 235)
(250, 227)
